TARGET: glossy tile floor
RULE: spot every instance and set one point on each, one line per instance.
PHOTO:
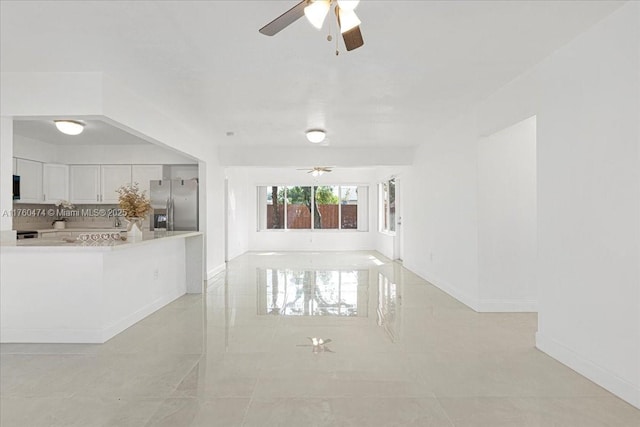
(342, 339)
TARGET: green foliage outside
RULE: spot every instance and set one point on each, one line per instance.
(302, 196)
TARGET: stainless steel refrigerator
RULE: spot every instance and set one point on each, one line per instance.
(175, 204)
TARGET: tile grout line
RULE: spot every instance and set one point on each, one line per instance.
(255, 385)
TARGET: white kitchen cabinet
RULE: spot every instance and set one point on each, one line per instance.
(30, 181)
(84, 184)
(95, 184)
(113, 177)
(55, 182)
(142, 174)
(184, 171)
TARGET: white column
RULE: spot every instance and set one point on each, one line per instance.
(6, 178)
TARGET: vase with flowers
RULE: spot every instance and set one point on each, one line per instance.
(62, 209)
(135, 205)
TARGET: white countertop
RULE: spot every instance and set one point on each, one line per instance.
(82, 230)
(58, 244)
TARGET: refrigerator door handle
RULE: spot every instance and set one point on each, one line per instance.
(171, 212)
(168, 213)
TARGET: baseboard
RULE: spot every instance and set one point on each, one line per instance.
(122, 324)
(216, 270)
(599, 375)
(90, 336)
(51, 336)
(507, 306)
(464, 298)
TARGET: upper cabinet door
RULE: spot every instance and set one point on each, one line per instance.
(55, 182)
(113, 177)
(30, 181)
(84, 184)
(142, 174)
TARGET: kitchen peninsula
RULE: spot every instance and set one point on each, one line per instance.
(53, 291)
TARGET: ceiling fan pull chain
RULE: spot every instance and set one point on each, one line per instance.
(337, 31)
(329, 36)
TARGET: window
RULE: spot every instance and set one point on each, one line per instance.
(392, 205)
(328, 207)
(298, 207)
(275, 207)
(349, 207)
(326, 214)
(387, 205)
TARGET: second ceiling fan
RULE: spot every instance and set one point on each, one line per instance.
(318, 170)
(316, 11)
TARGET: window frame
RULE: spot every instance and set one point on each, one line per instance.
(384, 206)
(261, 210)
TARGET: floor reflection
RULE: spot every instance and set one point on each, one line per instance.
(318, 345)
(220, 359)
(294, 292)
(389, 306)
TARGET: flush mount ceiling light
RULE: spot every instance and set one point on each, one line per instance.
(316, 11)
(69, 127)
(316, 136)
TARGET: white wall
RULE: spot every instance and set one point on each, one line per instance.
(51, 94)
(586, 98)
(588, 204)
(239, 211)
(215, 218)
(440, 219)
(96, 96)
(32, 149)
(119, 154)
(507, 219)
(6, 180)
(312, 155)
(136, 115)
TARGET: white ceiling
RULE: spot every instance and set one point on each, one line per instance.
(423, 62)
(96, 132)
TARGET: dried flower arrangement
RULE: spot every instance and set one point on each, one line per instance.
(62, 207)
(134, 204)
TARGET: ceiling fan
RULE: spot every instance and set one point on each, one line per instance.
(317, 170)
(316, 12)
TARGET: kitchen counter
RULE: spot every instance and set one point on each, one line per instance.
(52, 291)
(59, 242)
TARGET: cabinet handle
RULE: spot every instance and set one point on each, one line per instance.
(97, 197)
(44, 197)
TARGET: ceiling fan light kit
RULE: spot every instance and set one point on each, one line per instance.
(317, 171)
(347, 19)
(316, 136)
(348, 4)
(316, 12)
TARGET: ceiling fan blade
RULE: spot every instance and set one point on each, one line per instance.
(353, 38)
(284, 20)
